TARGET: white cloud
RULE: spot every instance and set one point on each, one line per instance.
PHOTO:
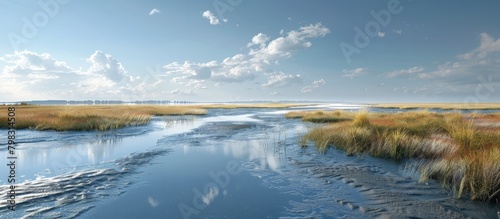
(279, 80)
(182, 92)
(107, 66)
(488, 46)
(192, 70)
(244, 67)
(485, 59)
(381, 34)
(294, 40)
(211, 17)
(354, 72)
(41, 76)
(197, 84)
(472, 71)
(28, 75)
(259, 39)
(154, 11)
(412, 72)
(27, 62)
(314, 85)
(398, 31)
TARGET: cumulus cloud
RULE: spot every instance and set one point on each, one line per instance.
(314, 85)
(27, 62)
(42, 76)
(381, 34)
(243, 67)
(211, 17)
(259, 39)
(191, 70)
(279, 80)
(107, 66)
(30, 75)
(294, 40)
(154, 11)
(354, 72)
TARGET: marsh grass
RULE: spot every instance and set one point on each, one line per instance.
(320, 116)
(481, 106)
(462, 154)
(98, 117)
(106, 117)
(248, 105)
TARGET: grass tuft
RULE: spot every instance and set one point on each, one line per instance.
(361, 119)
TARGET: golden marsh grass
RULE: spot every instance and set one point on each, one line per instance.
(472, 106)
(107, 117)
(462, 150)
(91, 117)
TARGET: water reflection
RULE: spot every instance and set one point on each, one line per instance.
(153, 202)
(55, 153)
(67, 155)
(262, 152)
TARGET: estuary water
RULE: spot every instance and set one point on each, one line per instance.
(238, 163)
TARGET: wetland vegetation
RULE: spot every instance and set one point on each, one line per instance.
(460, 150)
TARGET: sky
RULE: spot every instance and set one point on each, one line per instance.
(250, 50)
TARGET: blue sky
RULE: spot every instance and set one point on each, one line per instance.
(229, 50)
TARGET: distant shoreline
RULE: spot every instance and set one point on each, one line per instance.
(401, 105)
